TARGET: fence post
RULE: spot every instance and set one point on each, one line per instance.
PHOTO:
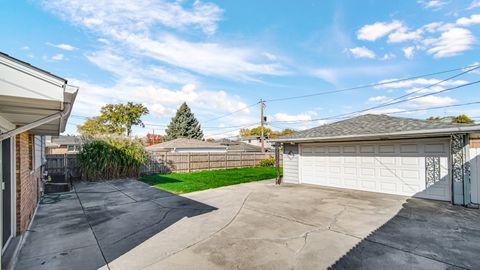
(189, 160)
(209, 167)
(241, 160)
(165, 163)
(254, 159)
(226, 160)
(65, 164)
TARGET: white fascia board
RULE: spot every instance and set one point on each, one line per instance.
(21, 80)
(5, 124)
(402, 134)
(69, 96)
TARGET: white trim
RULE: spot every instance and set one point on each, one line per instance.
(5, 124)
(300, 150)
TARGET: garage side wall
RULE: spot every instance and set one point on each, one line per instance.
(290, 163)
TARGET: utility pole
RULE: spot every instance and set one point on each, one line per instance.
(262, 124)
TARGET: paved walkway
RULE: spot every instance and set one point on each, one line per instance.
(129, 225)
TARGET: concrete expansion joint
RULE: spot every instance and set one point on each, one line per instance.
(143, 228)
(208, 237)
(123, 192)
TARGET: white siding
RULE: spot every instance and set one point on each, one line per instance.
(290, 163)
(39, 151)
(475, 174)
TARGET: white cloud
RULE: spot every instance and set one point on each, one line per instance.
(402, 35)
(134, 71)
(57, 57)
(141, 29)
(372, 32)
(162, 102)
(467, 21)
(451, 42)
(474, 4)
(63, 46)
(306, 116)
(328, 75)
(388, 56)
(205, 58)
(422, 90)
(432, 4)
(419, 82)
(336, 74)
(409, 52)
(431, 101)
(383, 111)
(362, 52)
(380, 99)
(138, 16)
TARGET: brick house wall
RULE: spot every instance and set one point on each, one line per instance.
(27, 181)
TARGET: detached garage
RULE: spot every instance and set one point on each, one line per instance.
(385, 154)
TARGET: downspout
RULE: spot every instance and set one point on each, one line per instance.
(37, 123)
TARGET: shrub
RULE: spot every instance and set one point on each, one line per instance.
(269, 162)
(110, 158)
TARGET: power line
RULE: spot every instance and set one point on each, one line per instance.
(364, 110)
(395, 100)
(437, 107)
(165, 125)
(247, 126)
(371, 85)
(228, 114)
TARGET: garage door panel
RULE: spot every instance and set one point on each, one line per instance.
(367, 160)
(395, 168)
(389, 187)
(435, 148)
(386, 149)
(410, 161)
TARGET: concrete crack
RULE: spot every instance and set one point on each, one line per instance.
(335, 218)
(210, 236)
(282, 217)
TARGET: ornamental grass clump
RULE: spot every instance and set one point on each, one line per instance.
(111, 158)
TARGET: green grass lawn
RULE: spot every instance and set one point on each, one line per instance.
(188, 182)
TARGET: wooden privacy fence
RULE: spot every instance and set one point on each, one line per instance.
(168, 162)
(66, 164)
(187, 162)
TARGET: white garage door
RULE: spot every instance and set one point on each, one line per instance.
(404, 167)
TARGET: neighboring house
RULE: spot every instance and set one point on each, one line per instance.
(62, 144)
(33, 103)
(184, 145)
(237, 146)
(393, 155)
(256, 140)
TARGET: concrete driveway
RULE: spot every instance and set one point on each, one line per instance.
(129, 225)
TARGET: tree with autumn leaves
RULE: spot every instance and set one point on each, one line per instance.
(116, 119)
(257, 131)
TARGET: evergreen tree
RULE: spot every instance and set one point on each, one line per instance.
(183, 125)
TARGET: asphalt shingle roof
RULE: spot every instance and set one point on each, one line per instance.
(371, 124)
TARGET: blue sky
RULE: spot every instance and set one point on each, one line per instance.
(222, 56)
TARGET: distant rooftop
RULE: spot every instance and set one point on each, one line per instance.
(185, 143)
